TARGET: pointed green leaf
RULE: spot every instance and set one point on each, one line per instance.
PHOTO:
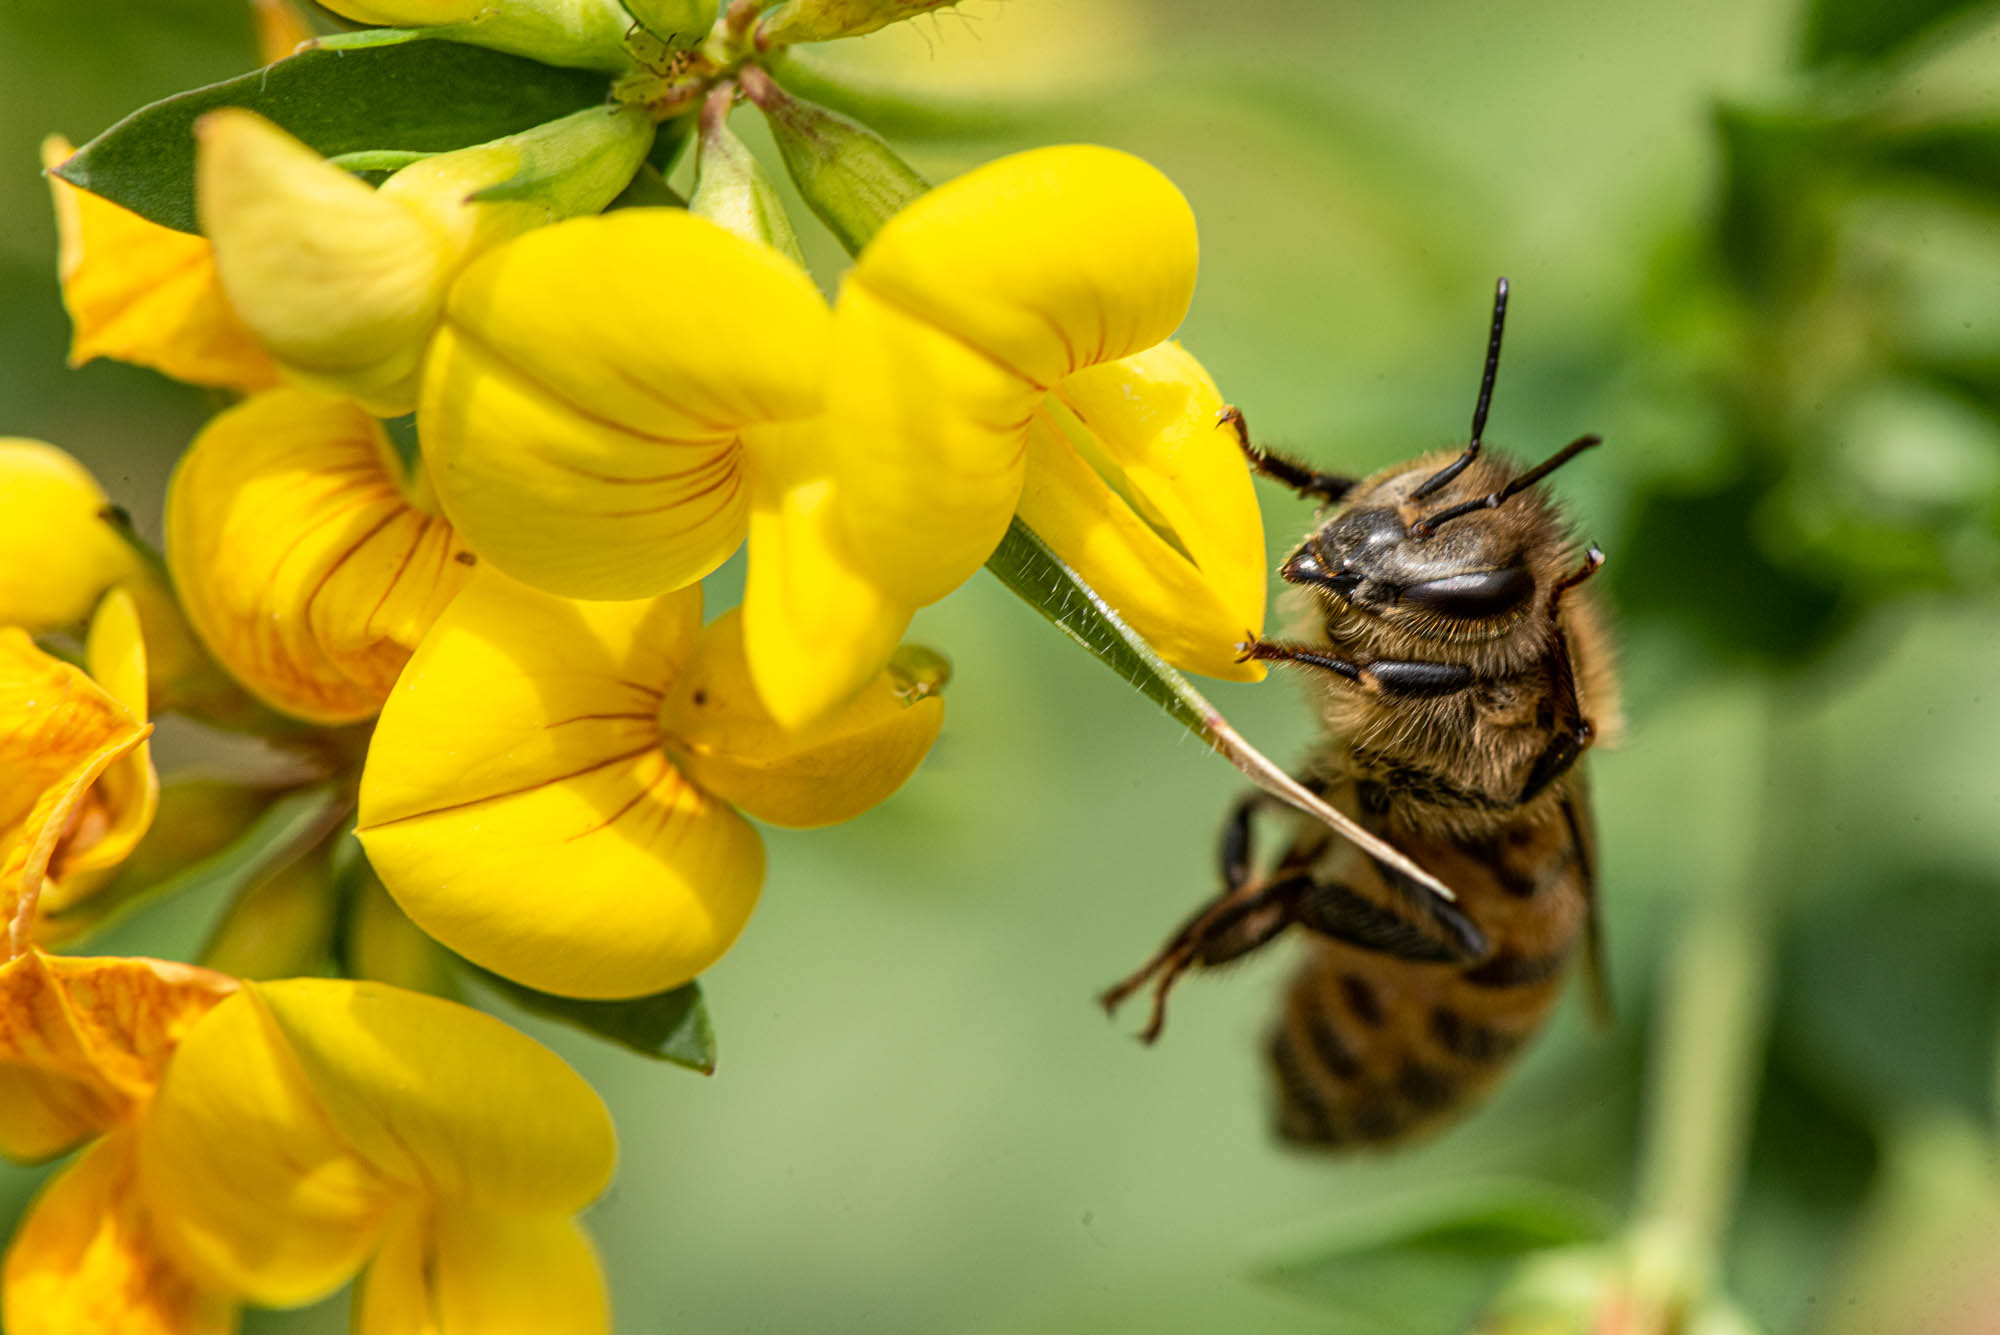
(670, 1026)
(421, 97)
(1037, 576)
(1870, 30)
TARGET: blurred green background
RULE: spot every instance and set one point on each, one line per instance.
(1784, 319)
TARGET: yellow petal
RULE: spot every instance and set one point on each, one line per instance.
(815, 629)
(975, 297)
(142, 293)
(721, 736)
(342, 285)
(281, 29)
(517, 804)
(584, 399)
(251, 1188)
(302, 560)
(475, 1272)
(84, 1260)
(56, 555)
(84, 1041)
(445, 1099)
(1133, 484)
(82, 790)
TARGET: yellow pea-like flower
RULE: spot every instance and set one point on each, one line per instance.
(308, 563)
(344, 283)
(83, 1046)
(57, 555)
(600, 747)
(291, 1141)
(592, 404)
(1001, 347)
(81, 789)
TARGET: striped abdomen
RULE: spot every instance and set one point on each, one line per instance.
(1372, 1048)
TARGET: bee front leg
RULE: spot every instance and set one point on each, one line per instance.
(1307, 481)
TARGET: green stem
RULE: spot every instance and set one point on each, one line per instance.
(1710, 1041)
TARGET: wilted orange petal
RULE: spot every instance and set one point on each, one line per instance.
(82, 1039)
(84, 1260)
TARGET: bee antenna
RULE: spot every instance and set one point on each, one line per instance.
(1428, 525)
(1451, 470)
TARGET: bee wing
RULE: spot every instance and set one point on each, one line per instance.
(1583, 831)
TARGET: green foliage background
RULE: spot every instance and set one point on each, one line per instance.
(919, 1121)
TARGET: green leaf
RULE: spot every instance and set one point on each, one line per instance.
(423, 97)
(1872, 30)
(670, 1026)
(1427, 1261)
(1038, 577)
(1963, 158)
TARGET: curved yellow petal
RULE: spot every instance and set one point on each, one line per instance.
(57, 556)
(1133, 484)
(142, 293)
(721, 736)
(966, 304)
(583, 402)
(342, 285)
(815, 629)
(84, 1260)
(445, 1099)
(281, 29)
(302, 560)
(85, 1041)
(81, 790)
(517, 804)
(456, 1271)
(251, 1187)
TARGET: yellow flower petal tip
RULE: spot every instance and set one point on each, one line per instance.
(304, 559)
(614, 469)
(719, 733)
(146, 294)
(57, 555)
(82, 790)
(341, 284)
(1132, 482)
(967, 307)
(518, 805)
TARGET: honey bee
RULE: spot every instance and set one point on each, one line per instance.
(1460, 673)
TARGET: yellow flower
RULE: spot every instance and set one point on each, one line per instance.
(146, 294)
(599, 389)
(552, 789)
(344, 283)
(80, 788)
(1001, 346)
(308, 1127)
(307, 562)
(83, 1044)
(57, 555)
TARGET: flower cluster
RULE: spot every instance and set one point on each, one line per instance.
(497, 407)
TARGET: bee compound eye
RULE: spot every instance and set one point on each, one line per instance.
(1475, 595)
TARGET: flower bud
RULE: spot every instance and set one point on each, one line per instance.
(731, 189)
(344, 283)
(279, 927)
(824, 20)
(582, 34)
(847, 174)
(57, 554)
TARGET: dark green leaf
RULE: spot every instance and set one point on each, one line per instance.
(423, 97)
(1427, 1262)
(1964, 158)
(669, 1026)
(1870, 30)
(1039, 578)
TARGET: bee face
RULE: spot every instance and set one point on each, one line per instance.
(1468, 580)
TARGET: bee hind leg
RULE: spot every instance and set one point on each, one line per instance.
(1227, 927)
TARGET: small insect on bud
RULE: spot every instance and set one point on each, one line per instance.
(824, 20)
(581, 34)
(848, 176)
